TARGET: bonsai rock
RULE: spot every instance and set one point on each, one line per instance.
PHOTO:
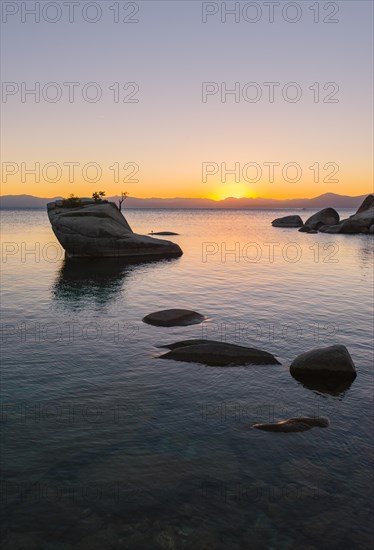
(98, 229)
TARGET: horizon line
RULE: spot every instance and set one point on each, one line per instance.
(199, 198)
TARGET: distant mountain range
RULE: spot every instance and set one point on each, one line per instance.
(322, 201)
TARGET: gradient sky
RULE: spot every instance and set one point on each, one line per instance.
(170, 132)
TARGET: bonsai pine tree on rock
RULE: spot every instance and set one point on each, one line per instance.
(98, 195)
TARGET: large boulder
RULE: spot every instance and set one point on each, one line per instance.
(218, 354)
(364, 217)
(287, 221)
(368, 204)
(349, 226)
(174, 318)
(99, 229)
(353, 226)
(333, 361)
(327, 216)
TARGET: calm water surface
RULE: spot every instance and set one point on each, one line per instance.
(107, 446)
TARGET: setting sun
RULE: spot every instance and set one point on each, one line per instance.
(237, 191)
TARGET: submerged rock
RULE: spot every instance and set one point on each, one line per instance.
(299, 424)
(174, 318)
(287, 221)
(217, 354)
(100, 230)
(162, 233)
(331, 362)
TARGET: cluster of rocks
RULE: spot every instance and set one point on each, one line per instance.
(328, 220)
(333, 361)
(96, 229)
(326, 368)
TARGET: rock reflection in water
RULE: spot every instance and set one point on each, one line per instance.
(325, 385)
(99, 280)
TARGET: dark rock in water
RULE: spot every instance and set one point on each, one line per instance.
(299, 424)
(218, 354)
(287, 221)
(92, 230)
(327, 216)
(371, 230)
(333, 362)
(162, 233)
(174, 318)
(328, 229)
(307, 229)
(184, 343)
(351, 227)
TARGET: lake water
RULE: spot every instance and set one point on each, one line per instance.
(107, 446)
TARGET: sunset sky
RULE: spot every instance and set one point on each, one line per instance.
(171, 133)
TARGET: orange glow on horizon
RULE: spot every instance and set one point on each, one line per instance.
(236, 191)
(173, 187)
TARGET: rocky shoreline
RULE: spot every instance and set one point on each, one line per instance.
(328, 221)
